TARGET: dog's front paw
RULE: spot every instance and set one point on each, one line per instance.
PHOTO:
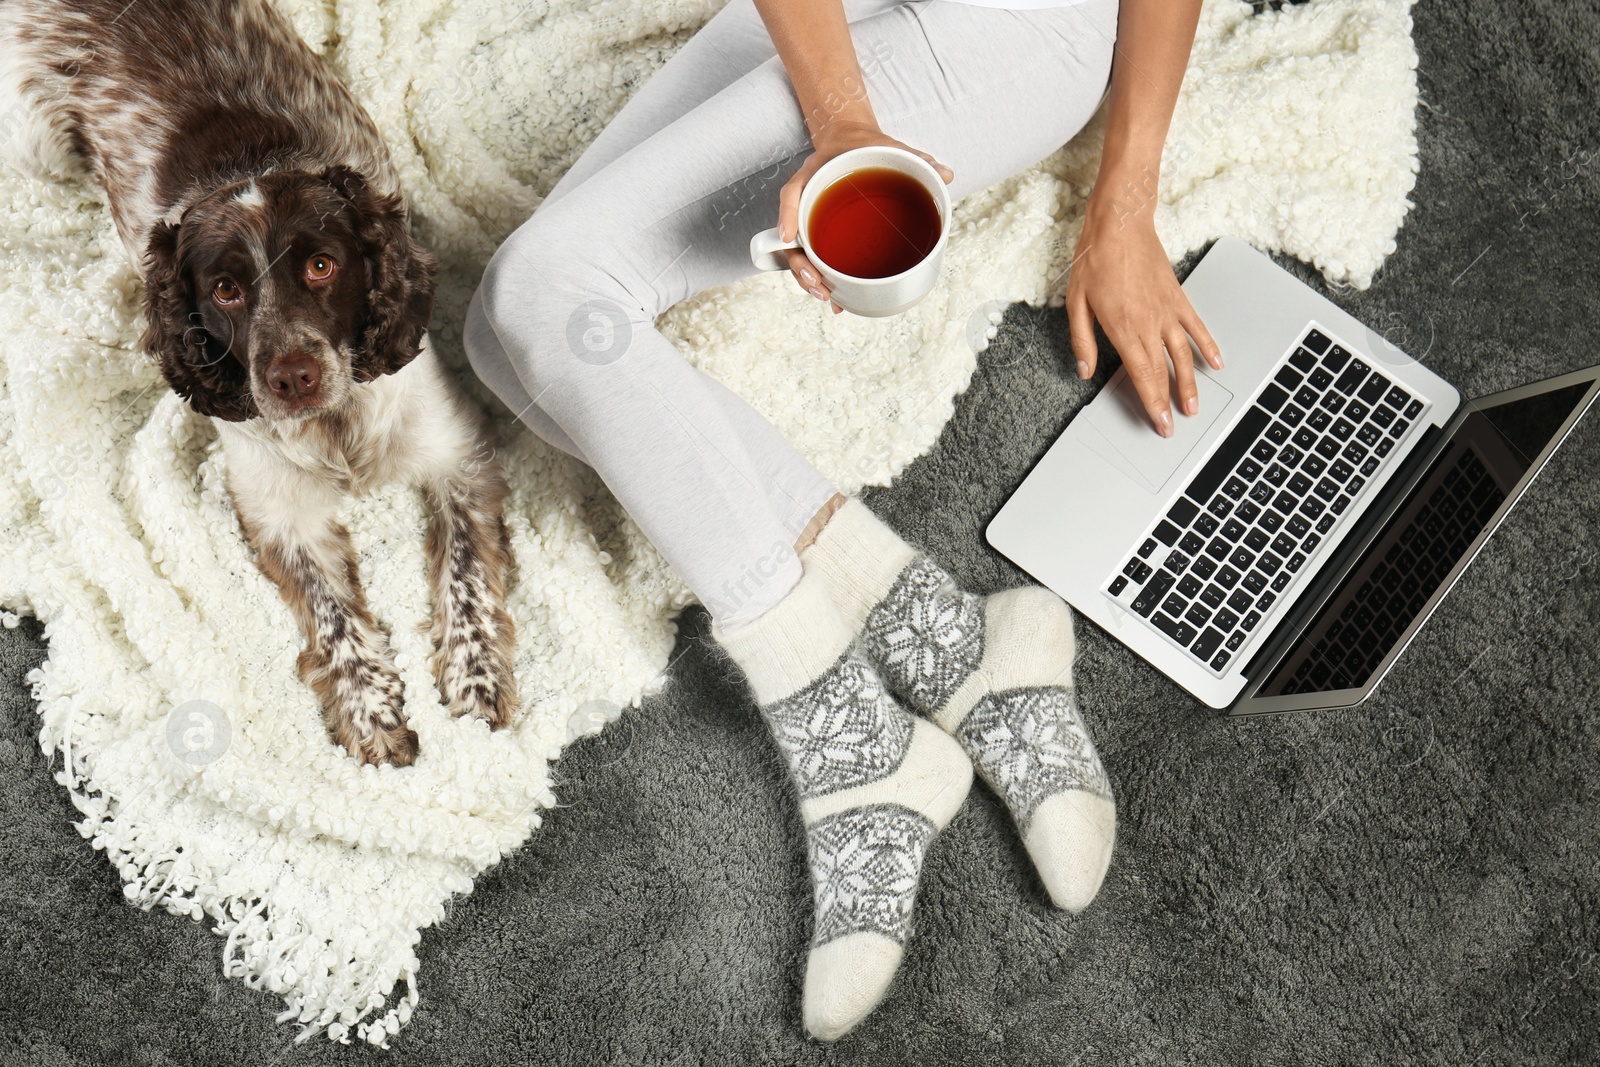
(362, 702)
(396, 744)
(469, 553)
(475, 679)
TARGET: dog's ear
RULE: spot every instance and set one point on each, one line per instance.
(197, 366)
(400, 271)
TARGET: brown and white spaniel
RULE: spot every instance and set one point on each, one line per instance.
(285, 299)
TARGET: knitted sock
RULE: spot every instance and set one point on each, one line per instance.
(876, 783)
(996, 672)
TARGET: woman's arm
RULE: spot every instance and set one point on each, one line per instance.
(813, 42)
(1120, 273)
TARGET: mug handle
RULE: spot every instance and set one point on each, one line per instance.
(767, 250)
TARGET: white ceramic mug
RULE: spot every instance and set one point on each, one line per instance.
(873, 297)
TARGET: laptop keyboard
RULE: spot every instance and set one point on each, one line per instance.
(1234, 542)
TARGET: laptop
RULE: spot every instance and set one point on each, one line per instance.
(1282, 548)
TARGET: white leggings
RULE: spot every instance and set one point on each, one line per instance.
(663, 204)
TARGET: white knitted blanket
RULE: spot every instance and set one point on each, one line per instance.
(199, 761)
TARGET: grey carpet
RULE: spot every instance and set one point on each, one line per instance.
(1416, 880)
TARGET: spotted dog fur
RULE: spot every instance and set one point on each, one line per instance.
(285, 299)
(347, 661)
(469, 554)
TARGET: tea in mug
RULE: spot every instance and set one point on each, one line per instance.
(875, 222)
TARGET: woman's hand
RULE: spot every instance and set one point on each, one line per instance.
(1121, 276)
(835, 138)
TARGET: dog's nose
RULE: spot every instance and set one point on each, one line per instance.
(295, 377)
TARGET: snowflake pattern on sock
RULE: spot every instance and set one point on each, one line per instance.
(926, 635)
(840, 731)
(1029, 744)
(865, 865)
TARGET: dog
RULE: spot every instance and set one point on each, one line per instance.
(284, 298)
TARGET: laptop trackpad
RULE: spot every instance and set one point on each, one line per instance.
(1117, 428)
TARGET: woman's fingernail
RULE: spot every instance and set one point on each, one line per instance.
(807, 277)
(1083, 369)
(1191, 406)
(1218, 358)
(818, 293)
(1164, 423)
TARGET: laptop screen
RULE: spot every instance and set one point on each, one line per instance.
(1416, 552)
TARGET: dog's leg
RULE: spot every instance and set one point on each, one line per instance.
(347, 659)
(469, 554)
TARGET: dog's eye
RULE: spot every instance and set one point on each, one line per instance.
(319, 268)
(227, 291)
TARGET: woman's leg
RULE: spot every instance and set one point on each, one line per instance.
(731, 44)
(562, 325)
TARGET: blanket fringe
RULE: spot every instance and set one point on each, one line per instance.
(327, 991)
